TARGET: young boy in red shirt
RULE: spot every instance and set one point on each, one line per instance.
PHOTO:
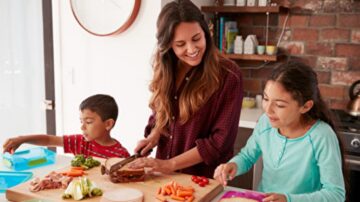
(98, 114)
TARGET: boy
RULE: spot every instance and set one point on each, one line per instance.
(98, 114)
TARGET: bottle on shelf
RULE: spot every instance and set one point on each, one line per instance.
(262, 3)
(250, 44)
(251, 3)
(241, 2)
(239, 45)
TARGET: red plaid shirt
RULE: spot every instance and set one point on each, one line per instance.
(77, 144)
(212, 129)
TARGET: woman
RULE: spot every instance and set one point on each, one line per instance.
(196, 97)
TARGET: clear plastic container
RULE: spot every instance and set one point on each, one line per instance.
(9, 179)
(28, 159)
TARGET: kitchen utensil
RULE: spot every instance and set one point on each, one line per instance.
(9, 179)
(27, 159)
(354, 104)
(120, 164)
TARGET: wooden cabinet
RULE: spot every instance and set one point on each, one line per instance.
(232, 12)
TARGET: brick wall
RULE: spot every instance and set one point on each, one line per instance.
(325, 34)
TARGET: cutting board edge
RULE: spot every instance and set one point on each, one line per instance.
(211, 195)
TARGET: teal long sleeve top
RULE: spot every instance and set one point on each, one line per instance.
(307, 168)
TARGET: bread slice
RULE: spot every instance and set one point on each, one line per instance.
(124, 174)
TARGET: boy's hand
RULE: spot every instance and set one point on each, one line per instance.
(274, 197)
(145, 145)
(225, 172)
(12, 144)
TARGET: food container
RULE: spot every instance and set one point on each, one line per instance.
(27, 159)
(250, 195)
(9, 179)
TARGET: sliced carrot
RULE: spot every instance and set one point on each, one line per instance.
(77, 168)
(75, 173)
(184, 193)
(190, 199)
(178, 198)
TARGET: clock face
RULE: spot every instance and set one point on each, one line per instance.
(105, 17)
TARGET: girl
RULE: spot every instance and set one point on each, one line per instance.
(196, 97)
(302, 158)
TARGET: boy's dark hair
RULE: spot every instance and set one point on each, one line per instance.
(104, 105)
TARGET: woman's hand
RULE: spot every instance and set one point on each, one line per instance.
(145, 145)
(158, 165)
(225, 172)
(12, 144)
(274, 197)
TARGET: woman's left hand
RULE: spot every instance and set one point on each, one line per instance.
(274, 197)
(158, 165)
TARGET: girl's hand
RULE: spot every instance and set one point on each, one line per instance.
(225, 172)
(274, 197)
(145, 145)
(12, 144)
(158, 165)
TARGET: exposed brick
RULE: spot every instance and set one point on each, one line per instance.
(339, 104)
(293, 47)
(330, 6)
(304, 34)
(260, 19)
(258, 31)
(322, 20)
(320, 49)
(344, 78)
(323, 77)
(245, 20)
(355, 36)
(245, 73)
(308, 60)
(252, 85)
(261, 73)
(294, 20)
(349, 20)
(311, 5)
(354, 64)
(332, 91)
(334, 34)
(333, 63)
(348, 50)
(347, 5)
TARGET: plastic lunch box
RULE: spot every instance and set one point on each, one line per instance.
(27, 159)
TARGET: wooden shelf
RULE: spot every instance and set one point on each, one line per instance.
(270, 58)
(240, 9)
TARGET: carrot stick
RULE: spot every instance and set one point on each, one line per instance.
(178, 198)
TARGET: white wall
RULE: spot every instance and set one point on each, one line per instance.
(117, 65)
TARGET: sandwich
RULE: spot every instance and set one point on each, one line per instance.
(119, 171)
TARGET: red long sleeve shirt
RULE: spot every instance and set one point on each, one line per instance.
(77, 144)
(212, 129)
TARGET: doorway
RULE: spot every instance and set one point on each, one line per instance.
(26, 68)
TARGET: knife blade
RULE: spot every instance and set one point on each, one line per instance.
(122, 163)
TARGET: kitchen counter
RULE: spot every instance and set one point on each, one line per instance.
(63, 161)
(249, 117)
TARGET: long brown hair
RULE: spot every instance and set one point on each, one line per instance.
(205, 78)
(301, 81)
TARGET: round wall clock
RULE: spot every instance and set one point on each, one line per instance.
(105, 17)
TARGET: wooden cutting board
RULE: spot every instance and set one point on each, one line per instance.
(149, 187)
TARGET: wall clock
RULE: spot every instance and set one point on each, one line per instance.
(105, 17)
